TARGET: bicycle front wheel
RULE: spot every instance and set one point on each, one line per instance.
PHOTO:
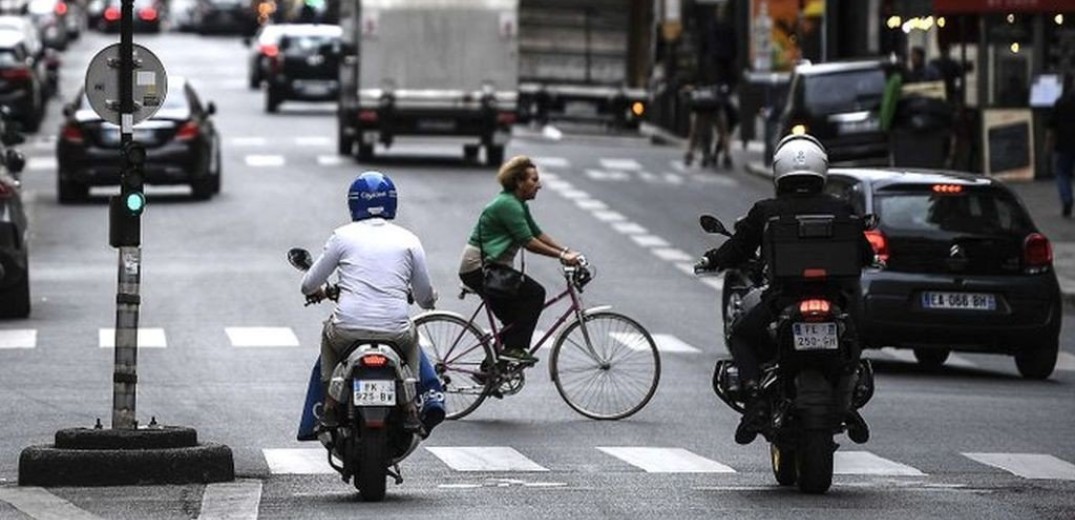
(456, 348)
(605, 367)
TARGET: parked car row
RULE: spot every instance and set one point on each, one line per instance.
(14, 257)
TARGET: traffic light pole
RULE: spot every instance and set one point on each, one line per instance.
(125, 371)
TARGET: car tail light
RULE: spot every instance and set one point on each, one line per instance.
(148, 14)
(112, 14)
(270, 51)
(1037, 253)
(505, 118)
(947, 189)
(187, 131)
(815, 309)
(880, 244)
(6, 191)
(71, 132)
(61, 8)
(16, 74)
(374, 360)
(367, 116)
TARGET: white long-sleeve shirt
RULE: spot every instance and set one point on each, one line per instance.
(378, 262)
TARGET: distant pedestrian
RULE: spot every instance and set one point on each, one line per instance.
(918, 69)
(1060, 142)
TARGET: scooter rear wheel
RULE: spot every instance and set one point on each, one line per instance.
(371, 475)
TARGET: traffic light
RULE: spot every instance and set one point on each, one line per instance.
(125, 211)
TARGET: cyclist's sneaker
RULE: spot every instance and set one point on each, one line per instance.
(518, 355)
(482, 377)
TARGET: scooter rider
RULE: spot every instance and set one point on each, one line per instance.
(800, 170)
(379, 265)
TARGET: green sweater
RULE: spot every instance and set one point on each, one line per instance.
(504, 225)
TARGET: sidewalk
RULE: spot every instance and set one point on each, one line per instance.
(1039, 197)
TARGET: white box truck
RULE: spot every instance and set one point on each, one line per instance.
(428, 68)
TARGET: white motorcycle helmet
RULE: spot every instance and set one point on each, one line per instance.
(800, 165)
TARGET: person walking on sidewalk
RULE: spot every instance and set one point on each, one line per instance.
(1060, 142)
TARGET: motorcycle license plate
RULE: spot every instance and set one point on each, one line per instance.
(815, 336)
(375, 392)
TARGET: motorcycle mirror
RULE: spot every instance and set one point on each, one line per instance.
(712, 224)
(870, 221)
(300, 258)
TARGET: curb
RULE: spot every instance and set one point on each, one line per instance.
(658, 135)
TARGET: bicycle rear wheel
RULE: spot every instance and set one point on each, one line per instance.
(456, 348)
(614, 374)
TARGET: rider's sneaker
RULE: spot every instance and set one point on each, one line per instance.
(753, 420)
(483, 376)
(328, 420)
(518, 355)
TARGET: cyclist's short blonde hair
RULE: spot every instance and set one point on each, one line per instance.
(514, 171)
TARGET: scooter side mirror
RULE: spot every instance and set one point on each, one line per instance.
(300, 258)
(711, 224)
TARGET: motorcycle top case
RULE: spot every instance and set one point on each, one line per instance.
(807, 246)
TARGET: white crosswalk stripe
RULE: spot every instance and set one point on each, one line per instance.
(672, 255)
(629, 228)
(485, 458)
(602, 175)
(866, 463)
(591, 204)
(147, 338)
(313, 140)
(650, 241)
(41, 163)
(666, 460)
(1027, 465)
(297, 461)
(262, 337)
(231, 500)
(672, 344)
(329, 160)
(248, 141)
(18, 338)
(907, 355)
(609, 216)
(262, 161)
(620, 164)
(39, 504)
(551, 162)
(1065, 362)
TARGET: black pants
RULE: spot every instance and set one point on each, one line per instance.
(521, 312)
(750, 343)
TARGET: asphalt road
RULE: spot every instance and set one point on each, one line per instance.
(228, 344)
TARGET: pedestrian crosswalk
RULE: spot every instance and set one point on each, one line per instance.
(660, 460)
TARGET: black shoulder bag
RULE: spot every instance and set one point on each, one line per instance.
(499, 280)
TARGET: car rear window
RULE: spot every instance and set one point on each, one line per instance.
(844, 92)
(973, 211)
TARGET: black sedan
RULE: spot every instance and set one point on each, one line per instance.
(14, 258)
(181, 141)
(965, 269)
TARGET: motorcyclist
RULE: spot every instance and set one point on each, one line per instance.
(380, 265)
(800, 169)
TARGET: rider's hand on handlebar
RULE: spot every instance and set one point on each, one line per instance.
(572, 258)
(703, 265)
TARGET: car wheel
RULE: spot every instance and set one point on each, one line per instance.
(494, 155)
(1038, 361)
(15, 302)
(272, 100)
(344, 145)
(70, 191)
(365, 152)
(931, 358)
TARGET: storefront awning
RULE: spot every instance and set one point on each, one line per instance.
(1001, 6)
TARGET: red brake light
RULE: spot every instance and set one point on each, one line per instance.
(112, 14)
(270, 51)
(61, 8)
(16, 74)
(947, 189)
(148, 14)
(374, 360)
(6, 192)
(188, 131)
(815, 310)
(1037, 251)
(71, 132)
(879, 242)
(505, 118)
(367, 116)
(814, 273)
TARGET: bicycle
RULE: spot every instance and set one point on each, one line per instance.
(607, 345)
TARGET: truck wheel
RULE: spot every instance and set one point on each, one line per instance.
(494, 155)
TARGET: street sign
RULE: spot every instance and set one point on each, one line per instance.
(149, 84)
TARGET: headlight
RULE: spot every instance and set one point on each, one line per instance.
(799, 129)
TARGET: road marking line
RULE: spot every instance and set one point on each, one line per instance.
(262, 337)
(866, 463)
(620, 164)
(147, 338)
(629, 228)
(231, 501)
(609, 216)
(551, 162)
(672, 344)
(297, 461)
(574, 194)
(1027, 465)
(485, 458)
(248, 141)
(41, 163)
(18, 338)
(264, 160)
(678, 164)
(673, 178)
(907, 355)
(600, 175)
(672, 255)
(558, 185)
(719, 180)
(329, 160)
(591, 204)
(647, 176)
(39, 504)
(666, 460)
(314, 141)
(1065, 361)
(650, 241)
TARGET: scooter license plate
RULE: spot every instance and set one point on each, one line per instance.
(375, 392)
(815, 336)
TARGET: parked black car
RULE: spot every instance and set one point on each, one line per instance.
(966, 268)
(14, 255)
(181, 141)
(224, 17)
(23, 81)
(840, 104)
(306, 65)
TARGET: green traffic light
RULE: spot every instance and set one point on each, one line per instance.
(135, 202)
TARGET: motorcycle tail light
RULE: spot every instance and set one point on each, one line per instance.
(880, 244)
(815, 309)
(1037, 252)
(374, 360)
(188, 131)
(71, 132)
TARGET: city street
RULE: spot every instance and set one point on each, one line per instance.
(227, 345)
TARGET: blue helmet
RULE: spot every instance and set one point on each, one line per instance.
(372, 194)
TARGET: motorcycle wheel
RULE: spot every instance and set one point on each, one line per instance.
(783, 465)
(371, 476)
(813, 461)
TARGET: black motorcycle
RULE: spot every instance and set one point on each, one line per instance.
(817, 381)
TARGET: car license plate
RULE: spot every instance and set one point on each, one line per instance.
(959, 301)
(436, 125)
(858, 127)
(580, 108)
(815, 336)
(112, 135)
(375, 392)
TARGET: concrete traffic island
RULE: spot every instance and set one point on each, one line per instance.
(152, 455)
